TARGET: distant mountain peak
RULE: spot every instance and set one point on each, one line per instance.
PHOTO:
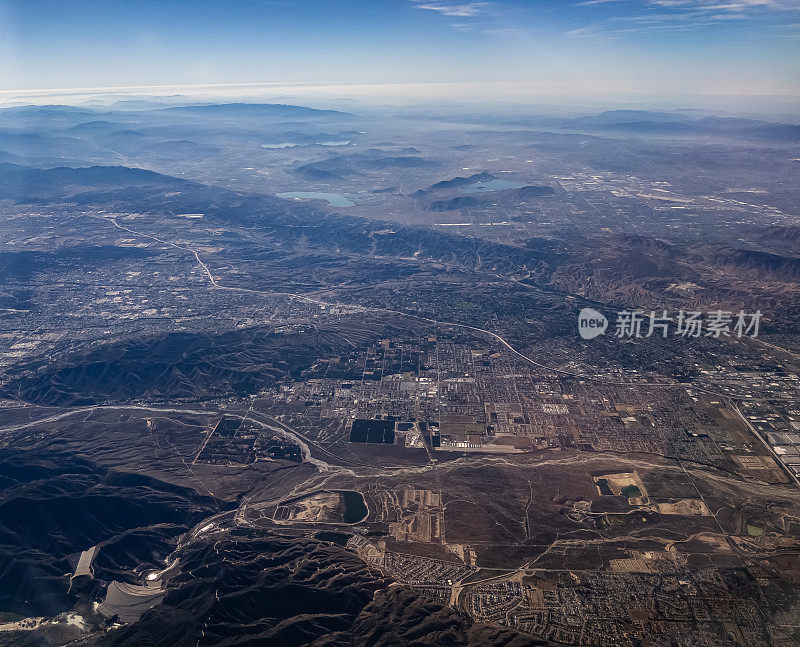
(242, 109)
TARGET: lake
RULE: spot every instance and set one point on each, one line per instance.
(355, 508)
(492, 185)
(344, 142)
(333, 199)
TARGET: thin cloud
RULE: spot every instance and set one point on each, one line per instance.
(734, 5)
(453, 10)
(679, 15)
(591, 30)
(705, 6)
(485, 17)
(588, 3)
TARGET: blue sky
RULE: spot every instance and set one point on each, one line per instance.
(581, 48)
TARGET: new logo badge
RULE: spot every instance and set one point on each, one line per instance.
(591, 323)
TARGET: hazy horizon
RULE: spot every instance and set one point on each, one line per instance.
(612, 53)
(371, 97)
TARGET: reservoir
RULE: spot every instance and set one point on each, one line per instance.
(355, 508)
(492, 185)
(333, 199)
(344, 142)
